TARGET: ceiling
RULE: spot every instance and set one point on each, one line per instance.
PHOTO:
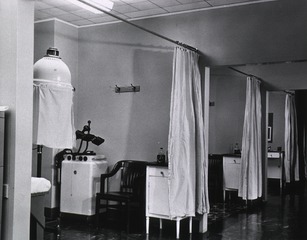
(126, 9)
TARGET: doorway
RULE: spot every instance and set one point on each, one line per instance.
(276, 141)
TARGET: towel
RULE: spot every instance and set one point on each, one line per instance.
(39, 185)
(53, 115)
(3, 108)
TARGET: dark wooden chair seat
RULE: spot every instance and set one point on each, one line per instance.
(131, 192)
(117, 196)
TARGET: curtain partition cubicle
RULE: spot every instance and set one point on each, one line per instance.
(276, 77)
(185, 179)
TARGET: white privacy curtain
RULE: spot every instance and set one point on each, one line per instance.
(53, 115)
(251, 173)
(188, 190)
(291, 161)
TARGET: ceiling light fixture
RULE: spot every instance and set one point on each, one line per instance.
(90, 5)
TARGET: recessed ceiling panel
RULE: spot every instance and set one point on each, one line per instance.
(125, 9)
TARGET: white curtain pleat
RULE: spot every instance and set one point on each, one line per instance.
(251, 157)
(291, 161)
(53, 116)
(187, 186)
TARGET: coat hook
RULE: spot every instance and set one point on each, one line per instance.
(117, 88)
(133, 87)
(130, 88)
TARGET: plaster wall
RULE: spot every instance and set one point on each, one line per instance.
(277, 77)
(226, 116)
(16, 71)
(134, 125)
(277, 107)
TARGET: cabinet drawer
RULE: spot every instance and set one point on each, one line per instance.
(273, 155)
(231, 172)
(158, 171)
(232, 160)
(274, 168)
(157, 202)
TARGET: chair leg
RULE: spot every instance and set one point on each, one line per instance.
(147, 225)
(190, 225)
(107, 215)
(177, 228)
(97, 208)
(128, 217)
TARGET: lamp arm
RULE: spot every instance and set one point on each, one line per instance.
(80, 146)
(86, 147)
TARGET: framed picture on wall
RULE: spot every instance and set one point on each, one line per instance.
(269, 134)
(270, 127)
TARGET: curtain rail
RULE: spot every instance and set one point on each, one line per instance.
(142, 28)
(270, 63)
(263, 64)
(246, 74)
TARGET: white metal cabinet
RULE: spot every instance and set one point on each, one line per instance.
(157, 201)
(80, 181)
(231, 173)
(157, 186)
(275, 166)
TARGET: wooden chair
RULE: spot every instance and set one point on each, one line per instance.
(131, 192)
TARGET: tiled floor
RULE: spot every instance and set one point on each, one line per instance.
(282, 217)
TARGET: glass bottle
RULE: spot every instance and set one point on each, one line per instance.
(236, 149)
(161, 156)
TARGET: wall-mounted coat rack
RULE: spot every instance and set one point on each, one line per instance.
(131, 88)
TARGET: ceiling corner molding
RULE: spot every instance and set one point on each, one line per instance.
(56, 19)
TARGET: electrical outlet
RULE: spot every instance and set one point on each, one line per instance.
(5, 191)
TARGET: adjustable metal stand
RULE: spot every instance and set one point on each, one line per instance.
(39, 160)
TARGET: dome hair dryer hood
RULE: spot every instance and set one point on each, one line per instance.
(52, 68)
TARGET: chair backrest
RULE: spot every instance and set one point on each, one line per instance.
(133, 176)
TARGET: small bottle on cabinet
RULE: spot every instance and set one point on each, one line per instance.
(161, 156)
(236, 149)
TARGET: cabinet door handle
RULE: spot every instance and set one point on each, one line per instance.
(162, 173)
(234, 161)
